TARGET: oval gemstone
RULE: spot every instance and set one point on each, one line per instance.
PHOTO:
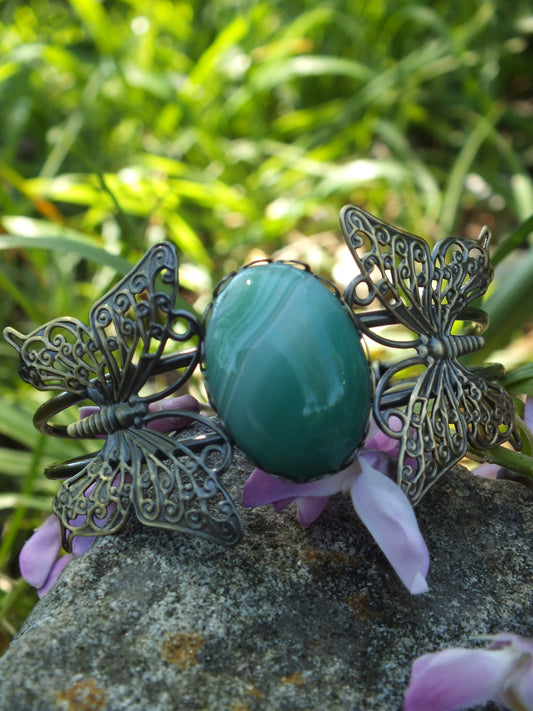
(286, 372)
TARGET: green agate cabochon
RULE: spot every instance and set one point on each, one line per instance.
(286, 372)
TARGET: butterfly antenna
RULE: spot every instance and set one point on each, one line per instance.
(14, 338)
(484, 236)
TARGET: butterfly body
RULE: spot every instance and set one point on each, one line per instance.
(448, 346)
(109, 419)
(167, 482)
(439, 407)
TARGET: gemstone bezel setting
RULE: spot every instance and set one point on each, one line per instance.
(285, 370)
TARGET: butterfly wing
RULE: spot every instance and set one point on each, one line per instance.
(171, 484)
(488, 410)
(132, 324)
(447, 408)
(97, 500)
(430, 427)
(177, 487)
(61, 355)
(395, 268)
(462, 272)
(128, 330)
(426, 292)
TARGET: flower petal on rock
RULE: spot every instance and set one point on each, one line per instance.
(517, 689)
(487, 471)
(456, 679)
(81, 544)
(309, 508)
(39, 553)
(87, 410)
(387, 513)
(57, 569)
(262, 488)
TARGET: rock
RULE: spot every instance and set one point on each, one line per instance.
(289, 619)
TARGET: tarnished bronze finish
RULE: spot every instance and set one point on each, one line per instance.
(440, 406)
(168, 482)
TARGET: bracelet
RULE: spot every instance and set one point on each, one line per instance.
(281, 352)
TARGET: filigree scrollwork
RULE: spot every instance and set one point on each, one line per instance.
(438, 413)
(167, 482)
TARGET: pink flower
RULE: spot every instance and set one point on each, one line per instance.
(380, 503)
(39, 560)
(456, 678)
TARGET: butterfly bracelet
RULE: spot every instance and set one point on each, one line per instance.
(282, 355)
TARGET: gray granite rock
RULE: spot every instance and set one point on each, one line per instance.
(290, 619)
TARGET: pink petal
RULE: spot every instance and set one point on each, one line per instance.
(39, 553)
(487, 471)
(282, 504)
(81, 544)
(528, 413)
(383, 462)
(378, 440)
(309, 508)
(173, 423)
(456, 679)
(262, 488)
(387, 513)
(57, 569)
(517, 689)
(86, 410)
(505, 639)
(165, 424)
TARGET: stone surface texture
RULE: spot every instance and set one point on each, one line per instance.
(289, 619)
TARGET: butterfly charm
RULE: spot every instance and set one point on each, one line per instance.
(168, 483)
(440, 406)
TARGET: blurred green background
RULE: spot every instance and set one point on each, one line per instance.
(239, 129)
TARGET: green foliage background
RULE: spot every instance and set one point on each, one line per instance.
(236, 129)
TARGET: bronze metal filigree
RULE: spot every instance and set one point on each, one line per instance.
(436, 414)
(430, 402)
(167, 482)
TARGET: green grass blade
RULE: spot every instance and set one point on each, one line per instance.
(509, 303)
(26, 233)
(516, 239)
(461, 167)
(17, 518)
